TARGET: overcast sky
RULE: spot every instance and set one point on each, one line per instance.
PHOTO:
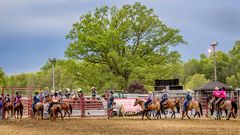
(33, 31)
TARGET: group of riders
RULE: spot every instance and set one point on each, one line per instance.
(56, 97)
(165, 97)
(218, 94)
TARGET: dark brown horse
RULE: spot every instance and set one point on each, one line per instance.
(19, 109)
(8, 109)
(65, 107)
(54, 110)
(38, 110)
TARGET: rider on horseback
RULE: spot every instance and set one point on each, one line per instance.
(163, 98)
(55, 100)
(17, 99)
(149, 99)
(7, 98)
(36, 99)
(188, 98)
(222, 96)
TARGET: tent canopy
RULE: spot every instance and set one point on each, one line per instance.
(212, 85)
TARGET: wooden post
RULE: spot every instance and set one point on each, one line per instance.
(82, 106)
(3, 115)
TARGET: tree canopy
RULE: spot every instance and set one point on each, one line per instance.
(122, 39)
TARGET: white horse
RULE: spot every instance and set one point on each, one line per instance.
(105, 107)
(118, 107)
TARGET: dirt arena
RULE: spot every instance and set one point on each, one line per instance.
(115, 126)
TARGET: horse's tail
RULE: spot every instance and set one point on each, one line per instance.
(70, 107)
(201, 111)
(178, 107)
(234, 105)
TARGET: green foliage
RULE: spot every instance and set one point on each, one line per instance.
(122, 39)
(2, 78)
(195, 81)
(234, 80)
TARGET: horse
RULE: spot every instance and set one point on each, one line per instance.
(192, 105)
(104, 103)
(119, 108)
(19, 109)
(170, 104)
(38, 110)
(155, 105)
(230, 108)
(8, 109)
(54, 110)
(65, 107)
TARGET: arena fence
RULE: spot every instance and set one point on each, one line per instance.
(90, 107)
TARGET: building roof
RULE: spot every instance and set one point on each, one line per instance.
(212, 85)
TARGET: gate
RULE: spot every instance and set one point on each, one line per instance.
(26, 98)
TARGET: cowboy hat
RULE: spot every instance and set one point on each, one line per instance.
(189, 90)
(216, 88)
(150, 92)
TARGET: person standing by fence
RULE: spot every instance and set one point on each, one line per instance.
(94, 92)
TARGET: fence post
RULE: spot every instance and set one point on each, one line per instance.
(3, 115)
(82, 106)
(207, 109)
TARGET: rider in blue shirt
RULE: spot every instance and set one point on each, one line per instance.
(188, 98)
(149, 99)
(36, 99)
(110, 100)
(163, 98)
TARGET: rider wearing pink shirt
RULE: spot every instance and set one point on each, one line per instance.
(222, 95)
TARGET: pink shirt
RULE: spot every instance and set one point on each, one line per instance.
(223, 94)
(216, 93)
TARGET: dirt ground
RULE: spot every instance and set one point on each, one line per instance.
(115, 126)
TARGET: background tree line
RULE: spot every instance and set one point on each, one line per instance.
(115, 47)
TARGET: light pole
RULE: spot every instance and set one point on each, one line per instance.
(214, 44)
(53, 62)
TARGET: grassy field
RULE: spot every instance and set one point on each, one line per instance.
(115, 126)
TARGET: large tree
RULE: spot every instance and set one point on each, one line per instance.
(122, 39)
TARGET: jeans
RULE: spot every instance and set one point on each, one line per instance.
(109, 104)
(185, 105)
(146, 103)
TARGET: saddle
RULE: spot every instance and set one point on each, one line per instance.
(165, 104)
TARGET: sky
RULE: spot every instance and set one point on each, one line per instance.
(33, 31)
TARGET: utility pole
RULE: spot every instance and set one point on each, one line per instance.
(53, 62)
(214, 44)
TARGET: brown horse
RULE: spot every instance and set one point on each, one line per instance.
(155, 105)
(19, 109)
(230, 107)
(65, 107)
(54, 110)
(170, 104)
(192, 105)
(8, 109)
(38, 110)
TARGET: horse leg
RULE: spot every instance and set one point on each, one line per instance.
(68, 114)
(147, 115)
(187, 115)
(182, 114)
(143, 114)
(61, 114)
